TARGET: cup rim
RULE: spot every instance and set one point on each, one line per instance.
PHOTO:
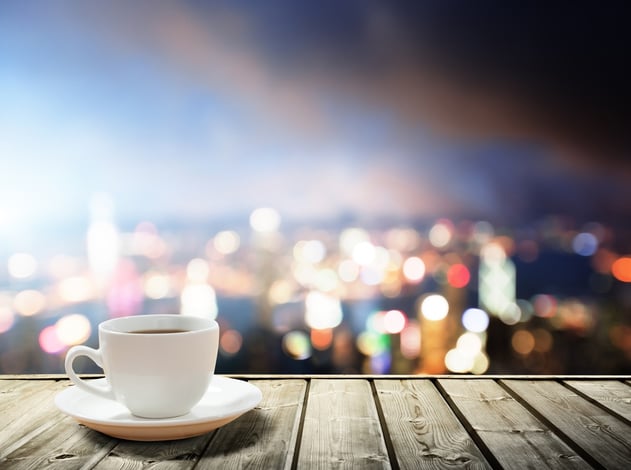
(201, 325)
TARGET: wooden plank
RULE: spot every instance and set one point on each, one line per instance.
(266, 436)
(611, 394)
(25, 416)
(424, 431)
(341, 427)
(13, 392)
(602, 436)
(163, 455)
(514, 436)
(67, 445)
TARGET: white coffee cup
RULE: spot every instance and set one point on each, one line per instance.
(154, 371)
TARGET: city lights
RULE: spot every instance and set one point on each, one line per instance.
(296, 344)
(322, 311)
(22, 265)
(227, 242)
(394, 321)
(414, 269)
(345, 302)
(475, 320)
(621, 269)
(265, 220)
(73, 329)
(435, 307)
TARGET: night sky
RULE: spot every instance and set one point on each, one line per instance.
(209, 109)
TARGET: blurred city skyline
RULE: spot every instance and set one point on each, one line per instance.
(198, 110)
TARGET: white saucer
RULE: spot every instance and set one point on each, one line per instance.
(225, 400)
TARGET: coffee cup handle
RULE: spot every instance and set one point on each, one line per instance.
(94, 355)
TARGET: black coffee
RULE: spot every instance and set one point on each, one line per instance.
(155, 332)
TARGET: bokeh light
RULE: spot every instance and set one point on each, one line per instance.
(322, 311)
(197, 270)
(411, 340)
(511, 314)
(414, 269)
(230, 342)
(621, 269)
(7, 318)
(199, 300)
(371, 343)
(226, 242)
(73, 329)
(76, 289)
(157, 285)
(22, 265)
(364, 253)
(481, 363)
(458, 275)
(470, 343)
(434, 307)
(350, 238)
(322, 339)
(265, 220)
(475, 320)
(280, 292)
(29, 302)
(458, 361)
(309, 251)
(585, 244)
(523, 342)
(296, 345)
(544, 305)
(348, 271)
(441, 233)
(49, 341)
(394, 321)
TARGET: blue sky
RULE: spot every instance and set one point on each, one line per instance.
(205, 110)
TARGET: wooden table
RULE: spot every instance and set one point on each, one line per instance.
(351, 421)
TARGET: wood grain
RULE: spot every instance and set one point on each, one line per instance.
(344, 422)
(163, 455)
(341, 427)
(23, 417)
(515, 437)
(611, 394)
(266, 436)
(424, 431)
(602, 436)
